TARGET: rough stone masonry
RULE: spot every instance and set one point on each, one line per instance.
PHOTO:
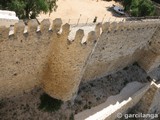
(47, 58)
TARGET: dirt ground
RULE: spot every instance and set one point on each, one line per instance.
(88, 9)
(91, 94)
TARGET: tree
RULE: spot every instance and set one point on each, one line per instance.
(29, 9)
(146, 8)
(3, 4)
(139, 7)
(127, 4)
(157, 1)
(134, 8)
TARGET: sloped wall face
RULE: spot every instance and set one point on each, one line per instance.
(151, 59)
(119, 45)
(66, 64)
(47, 58)
(22, 57)
(155, 42)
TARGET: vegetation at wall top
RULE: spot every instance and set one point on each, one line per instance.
(157, 1)
(28, 9)
(139, 8)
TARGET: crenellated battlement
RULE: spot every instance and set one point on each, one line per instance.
(58, 57)
(33, 27)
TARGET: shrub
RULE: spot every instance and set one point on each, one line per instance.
(146, 8)
(158, 1)
(127, 4)
(134, 12)
(71, 117)
(139, 8)
(49, 104)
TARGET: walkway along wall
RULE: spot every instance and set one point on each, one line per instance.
(49, 59)
(121, 44)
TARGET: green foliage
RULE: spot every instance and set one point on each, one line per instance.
(146, 8)
(139, 8)
(4, 4)
(49, 104)
(27, 9)
(71, 117)
(18, 7)
(157, 1)
(134, 8)
(135, 4)
(127, 4)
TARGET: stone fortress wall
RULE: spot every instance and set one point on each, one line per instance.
(119, 45)
(144, 100)
(7, 23)
(23, 57)
(49, 59)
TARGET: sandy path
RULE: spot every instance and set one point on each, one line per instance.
(71, 9)
(115, 101)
